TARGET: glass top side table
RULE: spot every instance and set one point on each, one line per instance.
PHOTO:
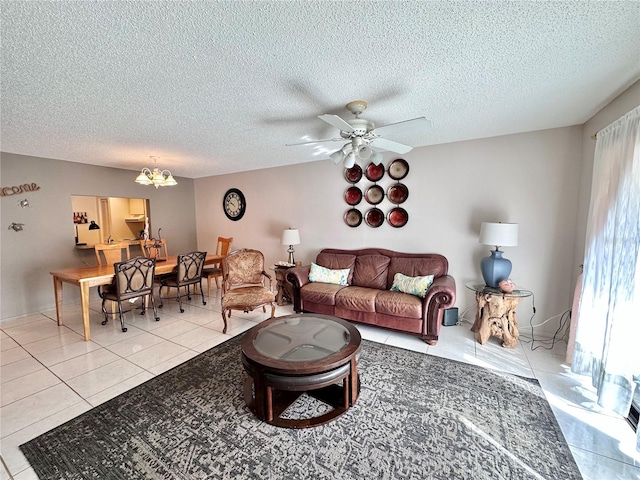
(496, 313)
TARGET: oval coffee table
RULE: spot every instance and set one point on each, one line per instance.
(301, 353)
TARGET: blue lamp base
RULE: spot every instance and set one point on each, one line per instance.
(495, 268)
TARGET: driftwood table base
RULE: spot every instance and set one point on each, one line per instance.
(496, 316)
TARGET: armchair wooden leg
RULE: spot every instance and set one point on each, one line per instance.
(224, 318)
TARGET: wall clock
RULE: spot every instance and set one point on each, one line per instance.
(234, 204)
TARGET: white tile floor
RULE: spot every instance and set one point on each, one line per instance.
(50, 374)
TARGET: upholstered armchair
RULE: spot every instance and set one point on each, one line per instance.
(244, 285)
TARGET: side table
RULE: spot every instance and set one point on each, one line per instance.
(284, 292)
(496, 313)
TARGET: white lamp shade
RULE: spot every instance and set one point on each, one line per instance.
(365, 152)
(142, 179)
(291, 236)
(499, 234)
(350, 160)
(376, 157)
(336, 157)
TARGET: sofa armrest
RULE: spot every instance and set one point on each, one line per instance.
(440, 295)
(298, 277)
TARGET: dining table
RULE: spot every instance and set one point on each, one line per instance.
(87, 277)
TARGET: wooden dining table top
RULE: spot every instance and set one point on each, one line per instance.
(103, 274)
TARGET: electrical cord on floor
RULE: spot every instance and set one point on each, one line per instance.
(547, 344)
(462, 319)
(563, 326)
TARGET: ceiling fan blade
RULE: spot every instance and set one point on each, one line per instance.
(336, 121)
(315, 141)
(391, 146)
(404, 126)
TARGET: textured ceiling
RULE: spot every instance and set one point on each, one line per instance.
(221, 87)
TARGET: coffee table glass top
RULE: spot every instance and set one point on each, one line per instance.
(300, 339)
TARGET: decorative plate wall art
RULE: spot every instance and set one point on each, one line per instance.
(353, 174)
(374, 217)
(398, 169)
(374, 172)
(353, 195)
(375, 194)
(353, 217)
(398, 193)
(397, 217)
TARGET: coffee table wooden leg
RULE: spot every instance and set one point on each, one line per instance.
(259, 396)
(353, 382)
(269, 404)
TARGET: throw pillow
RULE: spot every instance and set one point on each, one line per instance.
(326, 275)
(412, 285)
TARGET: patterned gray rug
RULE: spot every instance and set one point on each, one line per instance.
(418, 417)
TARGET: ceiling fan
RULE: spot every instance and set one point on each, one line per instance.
(365, 140)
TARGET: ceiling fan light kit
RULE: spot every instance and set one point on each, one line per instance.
(365, 140)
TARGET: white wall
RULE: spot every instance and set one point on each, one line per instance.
(47, 241)
(531, 179)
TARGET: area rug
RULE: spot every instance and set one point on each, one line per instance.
(417, 417)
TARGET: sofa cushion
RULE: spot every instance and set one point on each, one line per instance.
(321, 293)
(326, 275)
(337, 261)
(398, 304)
(415, 267)
(412, 285)
(371, 271)
(361, 299)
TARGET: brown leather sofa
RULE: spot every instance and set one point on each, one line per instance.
(367, 297)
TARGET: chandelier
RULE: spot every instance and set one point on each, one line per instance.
(356, 149)
(156, 177)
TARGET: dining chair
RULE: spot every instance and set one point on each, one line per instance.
(111, 252)
(243, 284)
(133, 279)
(188, 272)
(215, 271)
(155, 249)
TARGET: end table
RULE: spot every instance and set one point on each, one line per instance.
(496, 313)
(284, 293)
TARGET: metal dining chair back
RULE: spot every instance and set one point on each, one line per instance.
(133, 279)
(188, 272)
(155, 249)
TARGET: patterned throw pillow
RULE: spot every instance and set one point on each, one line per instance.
(412, 285)
(326, 275)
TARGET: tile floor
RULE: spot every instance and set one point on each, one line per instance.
(50, 375)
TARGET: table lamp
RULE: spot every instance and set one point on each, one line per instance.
(495, 267)
(291, 237)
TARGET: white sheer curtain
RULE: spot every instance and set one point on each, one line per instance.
(608, 333)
